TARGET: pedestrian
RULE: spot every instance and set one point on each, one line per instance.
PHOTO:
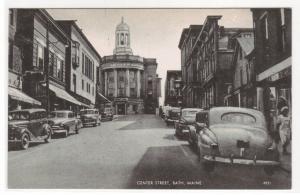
(284, 128)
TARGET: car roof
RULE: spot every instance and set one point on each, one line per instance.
(192, 109)
(30, 110)
(235, 109)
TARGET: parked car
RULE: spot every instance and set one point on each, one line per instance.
(171, 115)
(234, 135)
(187, 117)
(64, 121)
(90, 117)
(28, 125)
(107, 114)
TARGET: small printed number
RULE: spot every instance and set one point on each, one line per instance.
(267, 182)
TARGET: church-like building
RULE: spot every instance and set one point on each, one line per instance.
(129, 81)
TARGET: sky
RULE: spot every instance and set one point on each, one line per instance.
(155, 33)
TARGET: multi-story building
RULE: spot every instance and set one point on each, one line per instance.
(190, 87)
(242, 93)
(208, 62)
(44, 63)
(82, 62)
(128, 80)
(173, 95)
(17, 98)
(272, 32)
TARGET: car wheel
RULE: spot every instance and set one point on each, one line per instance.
(269, 170)
(49, 134)
(66, 133)
(24, 144)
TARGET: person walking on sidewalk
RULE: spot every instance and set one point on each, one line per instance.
(284, 128)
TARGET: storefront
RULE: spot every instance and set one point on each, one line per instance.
(18, 99)
(274, 87)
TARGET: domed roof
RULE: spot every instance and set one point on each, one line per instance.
(122, 26)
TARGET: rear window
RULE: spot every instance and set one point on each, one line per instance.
(238, 118)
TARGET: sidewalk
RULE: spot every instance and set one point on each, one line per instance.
(285, 160)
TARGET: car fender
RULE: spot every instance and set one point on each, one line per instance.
(24, 130)
(45, 126)
(192, 131)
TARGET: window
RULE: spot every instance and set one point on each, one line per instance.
(75, 53)
(74, 82)
(93, 91)
(10, 54)
(51, 63)
(60, 69)
(282, 16)
(241, 53)
(40, 56)
(238, 118)
(70, 115)
(11, 17)
(82, 84)
(265, 25)
(87, 87)
(122, 39)
(82, 63)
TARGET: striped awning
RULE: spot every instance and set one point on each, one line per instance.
(18, 95)
(61, 93)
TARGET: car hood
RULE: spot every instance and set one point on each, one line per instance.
(188, 120)
(89, 115)
(57, 120)
(228, 136)
(18, 123)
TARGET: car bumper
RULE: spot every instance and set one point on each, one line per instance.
(240, 161)
(58, 129)
(89, 123)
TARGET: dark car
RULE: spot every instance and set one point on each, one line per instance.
(107, 114)
(90, 117)
(187, 117)
(63, 121)
(172, 115)
(233, 135)
(28, 125)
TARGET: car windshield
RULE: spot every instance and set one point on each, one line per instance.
(189, 113)
(87, 112)
(238, 118)
(58, 115)
(18, 115)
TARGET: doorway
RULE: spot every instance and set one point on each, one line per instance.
(121, 109)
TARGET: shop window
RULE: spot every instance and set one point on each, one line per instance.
(74, 82)
(60, 69)
(10, 54)
(40, 57)
(82, 84)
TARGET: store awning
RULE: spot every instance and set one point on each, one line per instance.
(103, 97)
(63, 94)
(20, 96)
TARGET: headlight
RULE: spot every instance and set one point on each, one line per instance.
(61, 124)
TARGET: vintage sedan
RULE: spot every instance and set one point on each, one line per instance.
(233, 135)
(63, 121)
(28, 125)
(90, 117)
(187, 117)
(172, 115)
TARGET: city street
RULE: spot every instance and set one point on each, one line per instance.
(134, 151)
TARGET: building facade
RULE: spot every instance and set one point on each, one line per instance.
(273, 65)
(44, 62)
(129, 81)
(17, 99)
(242, 93)
(207, 63)
(190, 87)
(82, 62)
(173, 95)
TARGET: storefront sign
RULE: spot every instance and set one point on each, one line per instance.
(279, 75)
(121, 99)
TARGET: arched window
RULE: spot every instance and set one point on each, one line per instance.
(122, 38)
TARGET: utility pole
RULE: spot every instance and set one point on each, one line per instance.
(46, 69)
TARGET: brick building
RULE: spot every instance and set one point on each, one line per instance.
(17, 98)
(173, 95)
(82, 62)
(44, 54)
(273, 64)
(206, 59)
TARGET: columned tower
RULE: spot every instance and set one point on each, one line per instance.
(122, 39)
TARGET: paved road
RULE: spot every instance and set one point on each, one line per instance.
(136, 151)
